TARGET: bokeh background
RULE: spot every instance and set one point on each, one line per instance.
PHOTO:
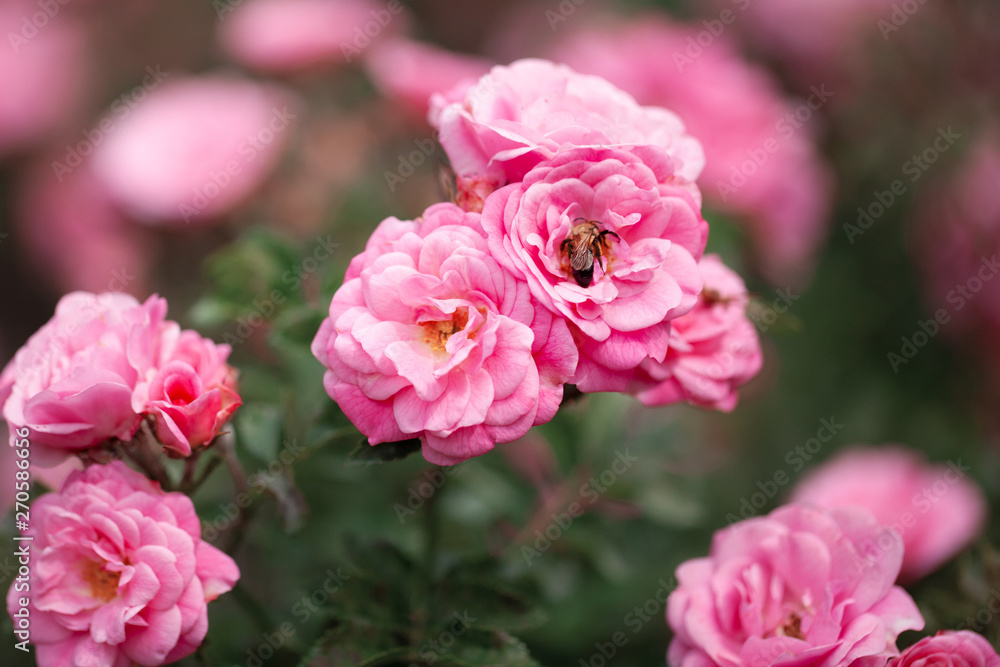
(233, 155)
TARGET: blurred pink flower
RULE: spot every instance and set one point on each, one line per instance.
(646, 273)
(521, 114)
(956, 649)
(761, 165)
(411, 72)
(792, 587)
(937, 509)
(69, 226)
(121, 574)
(43, 68)
(195, 149)
(428, 337)
(190, 391)
(714, 349)
(290, 35)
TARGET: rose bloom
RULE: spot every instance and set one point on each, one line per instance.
(43, 78)
(936, 509)
(521, 114)
(120, 573)
(286, 36)
(412, 72)
(951, 649)
(190, 390)
(760, 168)
(792, 588)
(428, 337)
(195, 148)
(647, 273)
(72, 382)
(714, 348)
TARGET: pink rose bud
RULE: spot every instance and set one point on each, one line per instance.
(714, 349)
(430, 338)
(120, 574)
(794, 587)
(937, 509)
(955, 649)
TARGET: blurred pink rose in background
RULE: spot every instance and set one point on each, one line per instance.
(69, 226)
(289, 35)
(937, 509)
(121, 574)
(411, 72)
(714, 348)
(43, 73)
(793, 587)
(761, 165)
(196, 148)
(953, 649)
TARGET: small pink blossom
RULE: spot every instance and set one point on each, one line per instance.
(937, 509)
(760, 167)
(521, 114)
(792, 588)
(412, 72)
(951, 649)
(286, 36)
(190, 392)
(428, 337)
(714, 348)
(195, 148)
(647, 274)
(120, 574)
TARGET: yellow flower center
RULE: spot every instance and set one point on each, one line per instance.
(103, 583)
(438, 333)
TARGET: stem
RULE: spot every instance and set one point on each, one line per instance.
(213, 463)
(145, 449)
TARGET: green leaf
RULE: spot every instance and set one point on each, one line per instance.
(258, 429)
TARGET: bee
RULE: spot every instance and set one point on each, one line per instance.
(586, 244)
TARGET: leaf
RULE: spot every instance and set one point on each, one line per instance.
(258, 429)
(388, 451)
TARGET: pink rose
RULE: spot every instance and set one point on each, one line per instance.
(714, 348)
(759, 167)
(428, 337)
(190, 392)
(290, 35)
(521, 114)
(195, 149)
(121, 574)
(951, 649)
(43, 78)
(645, 221)
(937, 509)
(72, 382)
(412, 72)
(792, 588)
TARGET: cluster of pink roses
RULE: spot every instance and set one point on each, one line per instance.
(573, 254)
(105, 362)
(814, 582)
